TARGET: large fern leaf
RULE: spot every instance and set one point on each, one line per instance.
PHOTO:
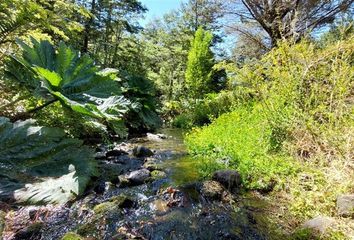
(72, 79)
(41, 165)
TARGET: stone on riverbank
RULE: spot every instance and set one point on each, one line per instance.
(319, 224)
(230, 179)
(212, 190)
(345, 205)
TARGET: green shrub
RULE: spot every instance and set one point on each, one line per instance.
(240, 140)
(298, 105)
(202, 112)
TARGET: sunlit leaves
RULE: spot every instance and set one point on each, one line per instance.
(72, 79)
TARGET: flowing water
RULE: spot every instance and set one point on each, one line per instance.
(169, 206)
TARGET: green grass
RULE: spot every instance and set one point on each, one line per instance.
(241, 140)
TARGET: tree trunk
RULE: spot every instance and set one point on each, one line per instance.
(88, 28)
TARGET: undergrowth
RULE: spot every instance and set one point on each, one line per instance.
(296, 133)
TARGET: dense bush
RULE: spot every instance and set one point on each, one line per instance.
(302, 109)
(203, 111)
(240, 140)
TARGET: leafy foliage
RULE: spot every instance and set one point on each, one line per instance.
(199, 64)
(143, 115)
(72, 79)
(240, 140)
(41, 165)
(296, 130)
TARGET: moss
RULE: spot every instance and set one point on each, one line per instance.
(156, 174)
(151, 166)
(71, 236)
(2, 222)
(104, 207)
(113, 204)
(87, 229)
(304, 234)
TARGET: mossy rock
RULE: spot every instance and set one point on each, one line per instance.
(113, 205)
(156, 175)
(87, 229)
(152, 165)
(71, 236)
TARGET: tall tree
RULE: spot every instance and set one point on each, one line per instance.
(286, 19)
(166, 54)
(199, 65)
(203, 13)
(112, 23)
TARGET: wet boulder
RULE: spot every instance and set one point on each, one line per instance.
(115, 153)
(139, 176)
(141, 151)
(230, 179)
(345, 205)
(100, 155)
(212, 190)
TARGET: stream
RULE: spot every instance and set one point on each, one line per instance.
(168, 204)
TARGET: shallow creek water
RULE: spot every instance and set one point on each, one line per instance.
(167, 207)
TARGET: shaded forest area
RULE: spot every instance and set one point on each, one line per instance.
(264, 88)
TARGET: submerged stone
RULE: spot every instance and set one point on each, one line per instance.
(141, 151)
(100, 155)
